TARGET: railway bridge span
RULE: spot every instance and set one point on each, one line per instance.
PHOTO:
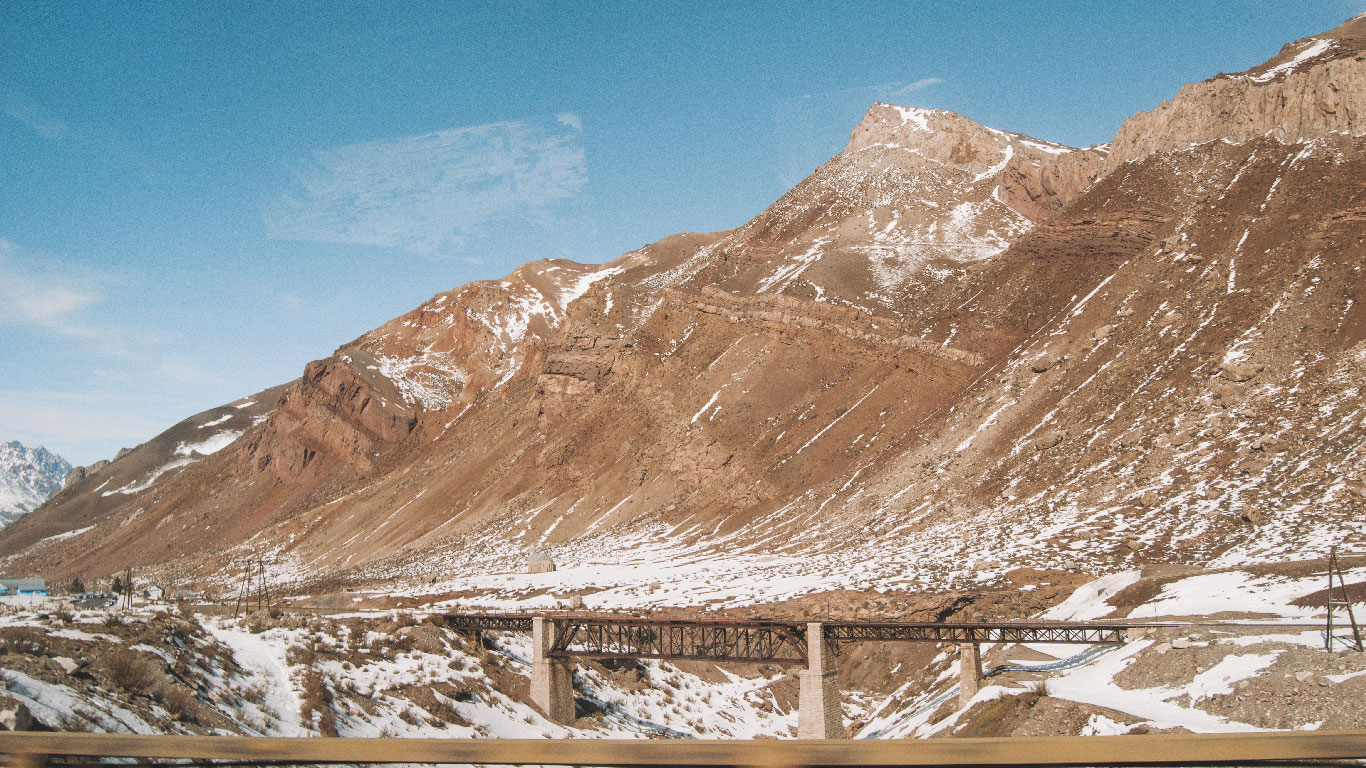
(556, 639)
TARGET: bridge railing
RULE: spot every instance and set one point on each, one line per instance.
(29, 750)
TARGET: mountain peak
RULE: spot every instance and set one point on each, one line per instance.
(28, 476)
(944, 137)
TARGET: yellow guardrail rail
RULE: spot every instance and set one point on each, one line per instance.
(25, 750)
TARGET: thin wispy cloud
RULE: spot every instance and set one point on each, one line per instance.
(34, 117)
(918, 85)
(52, 302)
(82, 426)
(430, 194)
(42, 295)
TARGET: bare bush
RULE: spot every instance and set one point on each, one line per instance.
(317, 698)
(255, 693)
(300, 654)
(131, 671)
(180, 702)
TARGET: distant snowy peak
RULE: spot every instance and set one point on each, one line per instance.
(28, 477)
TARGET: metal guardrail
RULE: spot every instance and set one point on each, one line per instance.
(27, 750)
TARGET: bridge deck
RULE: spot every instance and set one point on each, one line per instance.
(776, 641)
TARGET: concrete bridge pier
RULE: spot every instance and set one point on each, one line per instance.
(552, 684)
(819, 715)
(969, 672)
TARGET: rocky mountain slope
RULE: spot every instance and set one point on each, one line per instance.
(103, 498)
(28, 476)
(949, 353)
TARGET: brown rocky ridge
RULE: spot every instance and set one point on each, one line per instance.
(948, 353)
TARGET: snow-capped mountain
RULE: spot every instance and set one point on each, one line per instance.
(28, 476)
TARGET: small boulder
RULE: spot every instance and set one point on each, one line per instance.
(67, 664)
(1228, 393)
(1303, 676)
(1045, 361)
(1049, 439)
(1181, 643)
(1240, 372)
(1102, 332)
(1162, 647)
(15, 715)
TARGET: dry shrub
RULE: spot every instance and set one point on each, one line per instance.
(1035, 691)
(131, 671)
(255, 693)
(436, 706)
(27, 641)
(317, 698)
(181, 703)
(300, 654)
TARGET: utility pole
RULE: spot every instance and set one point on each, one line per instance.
(265, 586)
(1344, 601)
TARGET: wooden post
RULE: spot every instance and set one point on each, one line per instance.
(265, 585)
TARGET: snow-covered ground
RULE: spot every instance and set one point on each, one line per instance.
(372, 673)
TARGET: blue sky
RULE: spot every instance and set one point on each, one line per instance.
(196, 199)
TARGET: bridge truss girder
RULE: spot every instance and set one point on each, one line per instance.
(771, 642)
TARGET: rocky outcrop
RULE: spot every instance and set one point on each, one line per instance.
(1030, 170)
(797, 314)
(1316, 86)
(335, 412)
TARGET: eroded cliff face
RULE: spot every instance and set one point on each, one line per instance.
(1314, 87)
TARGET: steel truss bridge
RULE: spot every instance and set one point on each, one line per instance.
(778, 642)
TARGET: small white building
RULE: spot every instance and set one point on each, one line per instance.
(539, 562)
